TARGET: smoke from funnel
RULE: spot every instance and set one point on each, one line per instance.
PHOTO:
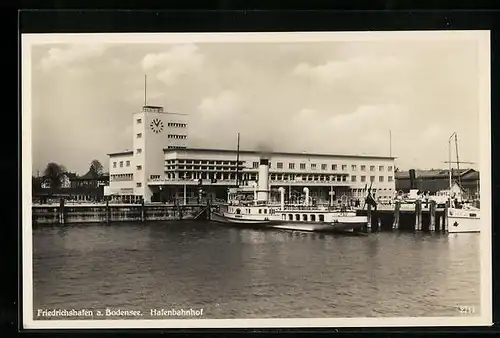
(264, 149)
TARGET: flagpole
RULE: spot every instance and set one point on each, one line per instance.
(390, 143)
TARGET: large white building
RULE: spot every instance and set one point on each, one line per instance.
(161, 167)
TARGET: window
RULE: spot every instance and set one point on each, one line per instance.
(363, 178)
(114, 164)
(139, 121)
(334, 167)
(138, 184)
(372, 178)
(121, 164)
(139, 167)
(128, 163)
(279, 165)
(353, 167)
(353, 178)
(303, 166)
(139, 151)
(381, 178)
(380, 168)
(139, 135)
(344, 166)
(389, 168)
(372, 168)
(291, 165)
(363, 167)
(389, 178)
(313, 166)
(255, 165)
(323, 167)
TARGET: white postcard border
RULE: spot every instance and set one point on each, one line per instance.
(483, 41)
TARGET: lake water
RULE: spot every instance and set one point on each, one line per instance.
(236, 273)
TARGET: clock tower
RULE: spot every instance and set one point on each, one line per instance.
(154, 130)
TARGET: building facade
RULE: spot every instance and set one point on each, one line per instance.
(437, 181)
(161, 167)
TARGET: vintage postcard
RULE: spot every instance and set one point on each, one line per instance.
(256, 180)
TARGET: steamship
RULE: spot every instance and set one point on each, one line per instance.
(260, 212)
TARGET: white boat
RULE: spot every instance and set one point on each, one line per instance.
(466, 219)
(461, 217)
(262, 213)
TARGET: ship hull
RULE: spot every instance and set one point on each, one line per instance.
(346, 224)
(460, 220)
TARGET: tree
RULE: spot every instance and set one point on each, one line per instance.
(96, 168)
(54, 173)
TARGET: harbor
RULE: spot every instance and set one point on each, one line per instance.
(412, 217)
(309, 183)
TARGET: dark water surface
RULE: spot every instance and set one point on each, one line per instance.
(236, 273)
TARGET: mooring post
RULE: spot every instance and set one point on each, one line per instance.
(61, 211)
(369, 216)
(432, 218)
(418, 215)
(209, 210)
(143, 211)
(445, 218)
(397, 208)
(107, 211)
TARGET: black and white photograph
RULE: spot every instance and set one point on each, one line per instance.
(256, 180)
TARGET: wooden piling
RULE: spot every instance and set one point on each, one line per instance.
(445, 219)
(397, 209)
(432, 218)
(143, 211)
(369, 216)
(61, 211)
(418, 215)
(107, 212)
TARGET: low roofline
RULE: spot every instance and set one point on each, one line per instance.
(256, 152)
(128, 152)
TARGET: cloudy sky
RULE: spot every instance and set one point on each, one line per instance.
(332, 97)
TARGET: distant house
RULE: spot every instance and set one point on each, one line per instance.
(89, 187)
(437, 181)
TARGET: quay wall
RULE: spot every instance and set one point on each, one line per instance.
(107, 213)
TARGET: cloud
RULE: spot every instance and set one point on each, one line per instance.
(63, 57)
(171, 65)
(224, 104)
(336, 70)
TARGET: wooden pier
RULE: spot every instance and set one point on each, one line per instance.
(419, 216)
(65, 213)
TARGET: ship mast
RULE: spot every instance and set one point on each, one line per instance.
(449, 166)
(238, 162)
(458, 162)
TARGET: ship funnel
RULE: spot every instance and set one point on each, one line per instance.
(306, 191)
(282, 197)
(254, 185)
(263, 192)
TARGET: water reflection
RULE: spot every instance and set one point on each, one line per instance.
(237, 273)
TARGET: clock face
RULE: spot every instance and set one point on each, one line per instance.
(156, 125)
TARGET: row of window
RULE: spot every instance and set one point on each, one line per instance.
(233, 163)
(177, 125)
(314, 166)
(179, 137)
(197, 167)
(176, 147)
(278, 177)
(127, 164)
(121, 177)
(372, 178)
